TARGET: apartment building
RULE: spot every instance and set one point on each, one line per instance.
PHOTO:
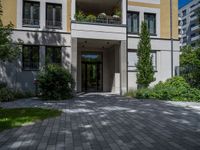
(189, 28)
(99, 51)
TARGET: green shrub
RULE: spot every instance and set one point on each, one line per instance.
(55, 83)
(176, 89)
(91, 18)
(6, 95)
(80, 16)
(3, 85)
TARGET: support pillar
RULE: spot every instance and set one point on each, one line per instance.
(74, 61)
(123, 67)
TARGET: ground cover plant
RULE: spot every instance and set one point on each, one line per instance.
(175, 89)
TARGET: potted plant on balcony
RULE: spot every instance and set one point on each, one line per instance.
(102, 18)
(80, 16)
(91, 18)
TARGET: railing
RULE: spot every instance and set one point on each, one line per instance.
(104, 20)
(31, 22)
(53, 24)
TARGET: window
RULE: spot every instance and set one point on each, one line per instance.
(31, 13)
(184, 22)
(53, 55)
(150, 19)
(185, 40)
(184, 12)
(53, 15)
(133, 22)
(193, 35)
(30, 57)
(132, 60)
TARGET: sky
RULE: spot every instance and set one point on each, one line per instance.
(183, 2)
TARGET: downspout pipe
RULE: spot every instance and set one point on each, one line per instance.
(171, 37)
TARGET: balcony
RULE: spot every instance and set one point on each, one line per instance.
(197, 27)
(195, 38)
(99, 19)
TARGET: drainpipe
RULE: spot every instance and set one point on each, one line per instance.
(171, 37)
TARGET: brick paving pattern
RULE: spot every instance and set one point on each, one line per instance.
(108, 122)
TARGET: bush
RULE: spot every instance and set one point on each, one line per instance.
(176, 89)
(80, 16)
(6, 95)
(91, 18)
(55, 83)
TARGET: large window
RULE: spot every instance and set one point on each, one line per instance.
(150, 19)
(53, 15)
(30, 57)
(133, 59)
(31, 13)
(133, 22)
(53, 55)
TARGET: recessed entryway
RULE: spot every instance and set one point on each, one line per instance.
(92, 71)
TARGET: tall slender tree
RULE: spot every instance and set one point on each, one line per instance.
(8, 50)
(145, 74)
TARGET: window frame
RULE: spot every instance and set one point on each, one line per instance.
(54, 47)
(138, 25)
(152, 52)
(53, 26)
(29, 68)
(155, 23)
(23, 14)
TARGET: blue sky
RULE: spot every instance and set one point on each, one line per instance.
(183, 2)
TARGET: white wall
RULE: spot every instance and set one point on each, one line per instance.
(163, 51)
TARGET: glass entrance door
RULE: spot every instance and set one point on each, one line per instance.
(92, 72)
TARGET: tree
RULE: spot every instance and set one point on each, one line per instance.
(190, 65)
(145, 74)
(9, 51)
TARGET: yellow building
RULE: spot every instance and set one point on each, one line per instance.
(100, 48)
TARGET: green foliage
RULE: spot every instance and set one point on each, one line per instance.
(8, 50)
(190, 65)
(118, 12)
(8, 94)
(91, 18)
(80, 16)
(16, 117)
(145, 74)
(175, 89)
(55, 83)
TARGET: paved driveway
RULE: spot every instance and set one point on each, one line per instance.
(105, 121)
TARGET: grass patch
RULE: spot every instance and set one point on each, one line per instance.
(16, 117)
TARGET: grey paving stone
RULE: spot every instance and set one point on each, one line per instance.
(105, 121)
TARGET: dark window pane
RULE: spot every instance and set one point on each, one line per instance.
(133, 22)
(31, 13)
(54, 15)
(30, 57)
(53, 55)
(150, 19)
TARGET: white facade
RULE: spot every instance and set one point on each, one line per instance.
(189, 24)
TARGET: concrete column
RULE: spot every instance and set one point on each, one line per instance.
(74, 61)
(124, 11)
(73, 9)
(42, 56)
(123, 67)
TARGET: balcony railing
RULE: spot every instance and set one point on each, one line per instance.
(31, 22)
(53, 24)
(102, 20)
